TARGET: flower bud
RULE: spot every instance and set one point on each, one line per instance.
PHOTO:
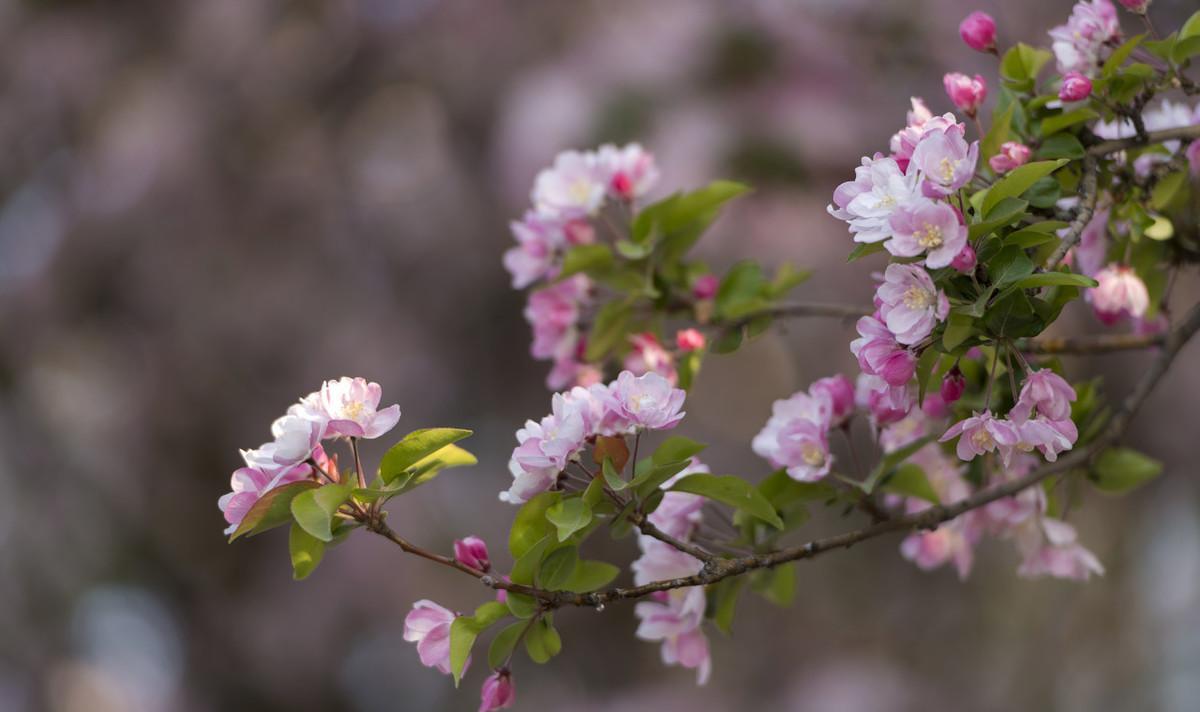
(953, 385)
(1075, 87)
(978, 31)
(1011, 155)
(1138, 6)
(705, 286)
(689, 340)
(964, 261)
(498, 691)
(472, 552)
(967, 93)
(898, 369)
(1120, 293)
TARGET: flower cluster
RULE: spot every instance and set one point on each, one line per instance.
(346, 407)
(1086, 39)
(630, 404)
(568, 198)
(796, 437)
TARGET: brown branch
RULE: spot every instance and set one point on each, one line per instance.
(1087, 207)
(1089, 345)
(1152, 137)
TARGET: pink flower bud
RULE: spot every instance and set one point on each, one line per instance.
(964, 261)
(472, 552)
(498, 691)
(1075, 87)
(1120, 293)
(705, 286)
(953, 385)
(899, 367)
(1138, 6)
(1011, 155)
(966, 93)
(978, 31)
(689, 340)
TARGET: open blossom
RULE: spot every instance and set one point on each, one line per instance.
(428, 625)
(472, 552)
(538, 240)
(837, 392)
(679, 513)
(921, 122)
(952, 542)
(966, 93)
(978, 31)
(910, 305)
(879, 354)
(553, 313)
(885, 403)
(248, 485)
(629, 172)
(647, 401)
(1050, 437)
(796, 437)
(352, 405)
(927, 227)
(982, 433)
(573, 187)
(1047, 393)
(1075, 87)
(867, 202)
(649, 356)
(1011, 155)
(1082, 43)
(1089, 255)
(1050, 549)
(1120, 293)
(946, 162)
(673, 617)
(556, 439)
(295, 439)
(498, 692)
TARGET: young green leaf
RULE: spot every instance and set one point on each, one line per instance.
(272, 509)
(733, 491)
(676, 449)
(313, 509)
(502, 645)
(306, 551)
(592, 259)
(542, 642)
(558, 567)
(569, 516)
(591, 575)
(1018, 180)
(530, 525)
(415, 447)
(1119, 470)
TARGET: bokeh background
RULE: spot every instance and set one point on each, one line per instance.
(208, 207)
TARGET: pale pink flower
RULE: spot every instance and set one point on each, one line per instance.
(649, 356)
(295, 439)
(679, 513)
(528, 482)
(1089, 255)
(538, 241)
(945, 161)
(885, 403)
(966, 93)
(983, 433)
(472, 552)
(796, 437)
(352, 405)
(910, 305)
(927, 227)
(1047, 393)
(1075, 87)
(1193, 157)
(1082, 43)
(908, 429)
(921, 122)
(574, 187)
(1050, 549)
(647, 401)
(249, 484)
(1011, 155)
(978, 31)
(949, 543)
(498, 692)
(838, 393)
(689, 340)
(628, 172)
(674, 617)
(879, 354)
(1050, 437)
(553, 312)
(1121, 293)
(428, 625)
(867, 203)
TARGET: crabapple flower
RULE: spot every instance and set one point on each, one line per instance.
(573, 187)
(966, 93)
(946, 162)
(932, 228)
(879, 354)
(1081, 43)
(705, 286)
(544, 448)
(1050, 437)
(1075, 87)
(679, 513)
(295, 439)
(965, 260)
(885, 403)
(949, 543)
(1088, 256)
(953, 385)
(689, 340)
(1193, 157)
(428, 625)
(867, 202)
(796, 437)
(983, 433)
(649, 356)
(1120, 293)
(352, 406)
(472, 552)
(1011, 155)
(629, 172)
(910, 305)
(647, 401)
(533, 256)
(553, 312)
(1138, 6)
(978, 31)
(498, 692)
(838, 393)
(248, 485)
(672, 617)
(1047, 393)
(1051, 549)
(921, 122)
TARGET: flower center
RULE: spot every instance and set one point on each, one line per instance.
(947, 168)
(353, 410)
(929, 236)
(812, 455)
(580, 190)
(643, 400)
(887, 201)
(917, 298)
(982, 440)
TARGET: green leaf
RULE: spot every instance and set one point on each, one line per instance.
(306, 551)
(741, 291)
(1029, 238)
(677, 449)
(1010, 265)
(558, 567)
(1020, 66)
(594, 494)
(727, 342)
(313, 509)
(530, 526)
(1191, 28)
(786, 278)
(591, 259)
(910, 480)
(733, 491)
(591, 575)
(526, 567)
(1006, 211)
(1053, 279)
(651, 479)
(609, 329)
(958, 329)
(1018, 180)
(863, 249)
(462, 639)
(1119, 55)
(777, 585)
(998, 133)
(1061, 146)
(892, 460)
(678, 221)
(416, 446)
(726, 595)
(542, 642)
(1166, 189)
(502, 645)
(425, 470)
(520, 605)
(1119, 470)
(1058, 122)
(612, 477)
(272, 509)
(569, 516)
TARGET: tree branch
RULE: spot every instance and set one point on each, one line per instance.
(1087, 207)
(1120, 144)
(1101, 344)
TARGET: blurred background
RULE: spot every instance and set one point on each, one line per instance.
(207, 208)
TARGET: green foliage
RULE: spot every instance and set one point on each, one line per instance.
(1119, 470)
(271, 510)
(306, 552)
(465, 629)
(569, 516)
(733, 491)
(777, 585)
(314, 509)
(404, 457)
(1020, 65)
(542, 642)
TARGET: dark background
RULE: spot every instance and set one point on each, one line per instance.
(208, 207)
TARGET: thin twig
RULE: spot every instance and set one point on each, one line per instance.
(1151, 137)
(1087, 206)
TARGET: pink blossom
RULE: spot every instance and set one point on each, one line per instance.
(1011, 155)
(905, 431)
(674, 618)
(1047, 393)
(472, 552)
(953, 385)
(983, 433)
(1089, 255)
(949, 543)
(1050, 549)
(679, 513)
(1138, 6)
(966, 93)
(649, 356)
(921, 122)
(295, 439)
(1193, 157)
(886, 403)
(249, 484)
(796, 437)
(1120, 293)
(629, 172)
(553, 312)
(1050, 437)
(689, 340)
(879, 354)
(428, 625)
(838, 393)
(498, 691)
(1081, 44)
(352, 405)
(910, 305)
(574, 187)
(965, 260)
(946, 162)
(705, 286)
(932, 228)
(554, 441)
(867, 203)
(978, 31)
(1075, 87)
(647, 401)
(538, 239)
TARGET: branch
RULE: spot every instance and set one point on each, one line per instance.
(1102, 344)
(1091, 176)
(1120, 144)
